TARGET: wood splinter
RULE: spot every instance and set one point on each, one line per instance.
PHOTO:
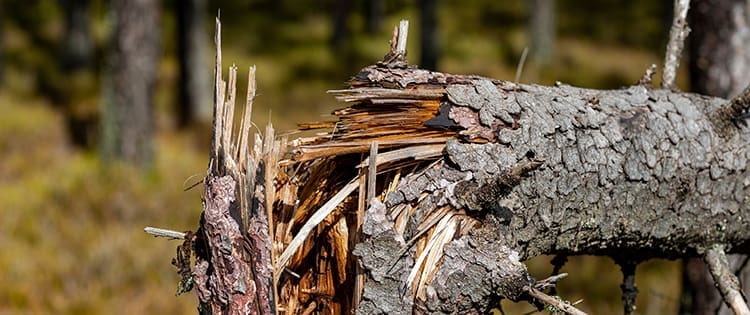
(396, 57)
(725, 280)
(170, 234)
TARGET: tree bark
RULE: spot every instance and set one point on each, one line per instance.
(233, 271)
(719, 58)
(719, 66)
(194, 99)
(128, 113)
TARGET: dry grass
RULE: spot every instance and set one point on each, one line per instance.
(72, 228)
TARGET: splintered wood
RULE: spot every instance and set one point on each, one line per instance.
(392, 117)
(380, 137)
(281, 218)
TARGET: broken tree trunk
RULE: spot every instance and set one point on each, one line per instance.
(460, 179)
(477, 175)
(233, 272)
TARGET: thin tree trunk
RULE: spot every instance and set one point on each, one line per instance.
(194, 99)
(77, 60)
(719, 56)
(340, 18)
(78, 45)
(541, 30)
(128, 113)
(2, 46)
(373, 16)
(719, 66)
(428, 30)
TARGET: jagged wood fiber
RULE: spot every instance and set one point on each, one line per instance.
(233, 270)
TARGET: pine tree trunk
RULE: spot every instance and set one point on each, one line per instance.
(719, 66)
(128, 114)
(194, 99)
(340, 19)
(373, 16)
(77, 60)
(430, 40)
(2, 46)
(466, 178)
(541, 30)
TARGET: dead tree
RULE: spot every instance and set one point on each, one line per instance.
(460, 179)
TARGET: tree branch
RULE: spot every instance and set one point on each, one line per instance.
(677, 34)
(556, 303)
(629, 290)
(732, 114)
(558, 262)
(725, 280)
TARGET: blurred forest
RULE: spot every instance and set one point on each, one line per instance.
(72, 207)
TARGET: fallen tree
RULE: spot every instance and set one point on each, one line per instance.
(460, 179)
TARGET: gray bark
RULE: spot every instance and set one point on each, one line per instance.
(719, 66)
(128, 114)
(719, 57)
(634, 174)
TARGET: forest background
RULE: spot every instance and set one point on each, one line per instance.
(72, 211)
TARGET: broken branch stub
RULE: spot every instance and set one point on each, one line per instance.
(677, 34)
(725, 280)
(233, 268)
